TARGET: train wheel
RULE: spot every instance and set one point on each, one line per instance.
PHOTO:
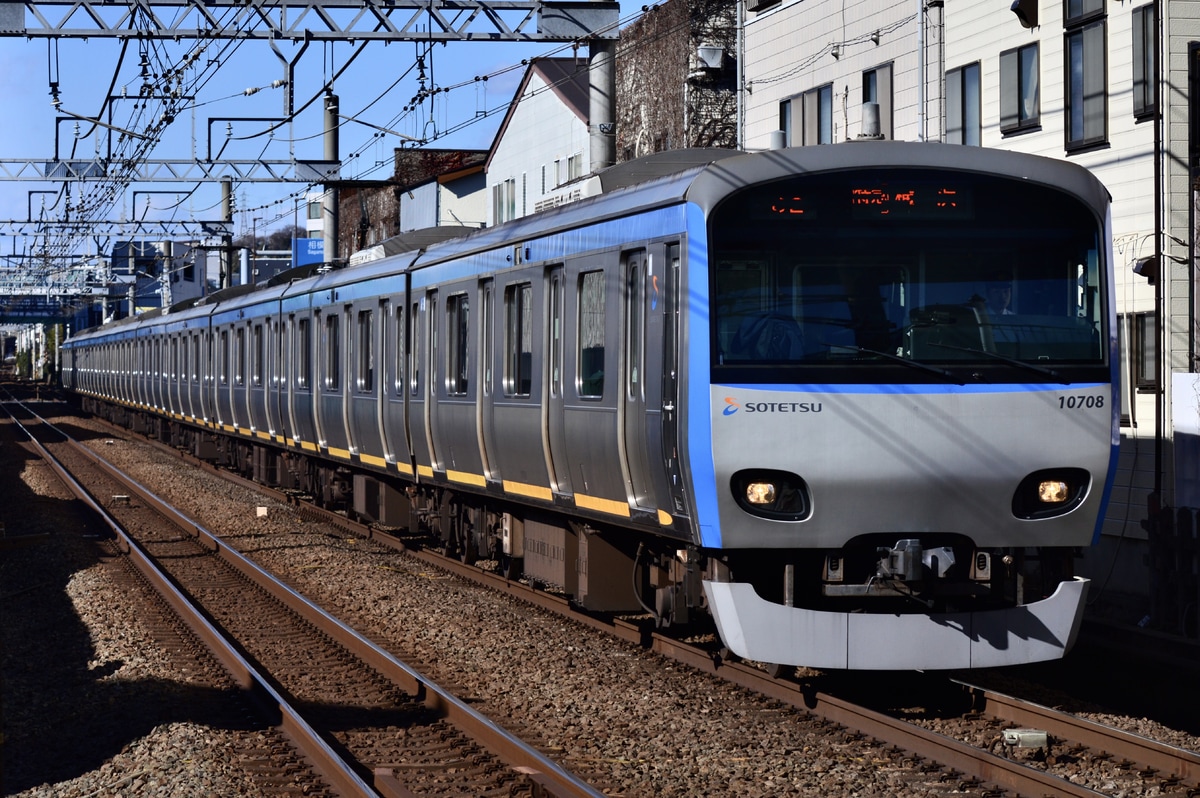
(465, 534)
(511, 567)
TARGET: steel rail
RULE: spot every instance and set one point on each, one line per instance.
(337, 773)
(970, 761)
(526, 759)
(1149, 754)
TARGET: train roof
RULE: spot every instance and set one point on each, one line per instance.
(700, 176)
(716, 181)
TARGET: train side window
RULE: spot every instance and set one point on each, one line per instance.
(518, 339)
(592, 323)
(365, 378)
(458, 316)
(333, 366)
(303, 354)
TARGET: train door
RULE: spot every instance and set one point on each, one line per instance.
(415, 386)
(425, 396)
(558, 453)
(365, 382)
(177, 377)
(488, 367)
(274, 411)
(517, 422)
(238, 388)
(454, 427)
(195, 408)
(331, 422)
(301, 412)
(224, 415)
(649, 437)
(393, 360)
(257, 381)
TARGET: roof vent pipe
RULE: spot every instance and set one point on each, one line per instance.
(870, 123)
(777, 141)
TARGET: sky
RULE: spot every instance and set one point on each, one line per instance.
(231, 84)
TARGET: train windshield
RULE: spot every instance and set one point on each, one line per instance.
(864, 276)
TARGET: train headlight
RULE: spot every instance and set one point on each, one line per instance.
(761, 493)
(1050, 492)
(779, 495)
(1053, 491)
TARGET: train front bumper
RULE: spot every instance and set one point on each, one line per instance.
(760, 630)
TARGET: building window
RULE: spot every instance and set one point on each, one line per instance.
(785, 121)
(504, 201)
(458, 316)
(518, 339)
(1145, 28)
(963, 109)
(1080, 11)
(877, 88)
(314, 210)
(1086, 86)
(575, 167)
(1145, 353)
(1020, 101)
(817, 115)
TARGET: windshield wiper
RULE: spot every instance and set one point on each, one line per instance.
(1012, 361)
(943, 373)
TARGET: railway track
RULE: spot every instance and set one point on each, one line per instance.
(966, 749)
(367, 723)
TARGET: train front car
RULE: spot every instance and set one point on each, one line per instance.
(909, 404)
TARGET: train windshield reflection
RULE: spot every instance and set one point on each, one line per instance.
(867, 269)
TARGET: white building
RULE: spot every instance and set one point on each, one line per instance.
(457, 198)
(541, 154)
(1073, 80)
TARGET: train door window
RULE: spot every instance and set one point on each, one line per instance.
(414, 359)
(364, 379)
(556, 332)
(458, 313)
(401, 350)
(592, 323)
(256, 356)
(195, 358)
(518, 339)
(333, 366)
(239, 340)
(432, 332)
(303, 354)
(488, 338)
(635, 323)
(224, 357)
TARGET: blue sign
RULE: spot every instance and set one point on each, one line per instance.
(308, 250)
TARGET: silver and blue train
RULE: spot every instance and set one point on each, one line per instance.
(855, 402)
